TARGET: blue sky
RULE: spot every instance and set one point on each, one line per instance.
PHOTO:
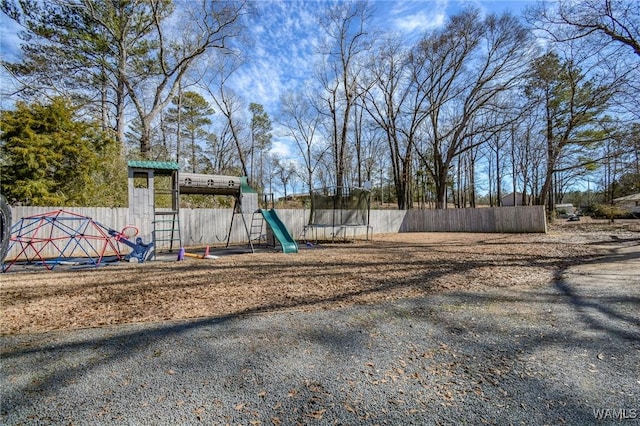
(286, 34)
(284, 38)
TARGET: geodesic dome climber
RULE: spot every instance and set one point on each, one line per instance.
(61, 237)
(5, 227)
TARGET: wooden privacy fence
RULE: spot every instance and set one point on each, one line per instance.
(495, 219)
(201, 227)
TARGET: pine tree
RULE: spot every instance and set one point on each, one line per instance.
(260, 142)
(189, 116)
(49, 158)
(570, 105)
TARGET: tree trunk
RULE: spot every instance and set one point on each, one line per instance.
(179, 124)
(441, 194)
(498, 178)
(472, 181)
(120, 116)
(546, 187)
(145, 139)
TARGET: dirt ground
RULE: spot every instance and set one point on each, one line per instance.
(325, 276)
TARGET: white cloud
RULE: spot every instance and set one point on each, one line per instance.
(420, 21)
(9, 51)
(413, 17)
(9, 40)
(280, 149)
(280, 55)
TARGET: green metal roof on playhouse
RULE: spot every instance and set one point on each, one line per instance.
(154, 165)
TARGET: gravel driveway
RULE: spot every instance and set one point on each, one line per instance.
(564, 353)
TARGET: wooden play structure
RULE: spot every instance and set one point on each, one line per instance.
(156, 208)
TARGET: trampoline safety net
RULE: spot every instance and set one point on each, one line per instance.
(348, 207)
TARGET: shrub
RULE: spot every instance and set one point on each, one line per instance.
(611, 212)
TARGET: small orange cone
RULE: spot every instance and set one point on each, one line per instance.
(206, 252)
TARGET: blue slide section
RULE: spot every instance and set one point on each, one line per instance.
(280, 231)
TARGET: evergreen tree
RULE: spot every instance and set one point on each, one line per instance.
(189, 116)
(118, 52)
(49, 158)
(260, 142)
(570, 105)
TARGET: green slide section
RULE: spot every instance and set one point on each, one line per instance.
(280, 231)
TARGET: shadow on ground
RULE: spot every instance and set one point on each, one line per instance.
(551, 354)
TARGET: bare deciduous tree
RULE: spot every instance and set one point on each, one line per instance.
(462, 69)
(603, 21)
(214, 78)
(213, 23)
(607, 32)
(111, 53)
(347, 40)
(398, 109)
(302, 121)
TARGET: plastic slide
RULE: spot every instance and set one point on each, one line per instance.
(280, 231)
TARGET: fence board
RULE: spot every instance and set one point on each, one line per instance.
(200, 227)
(496, 219)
